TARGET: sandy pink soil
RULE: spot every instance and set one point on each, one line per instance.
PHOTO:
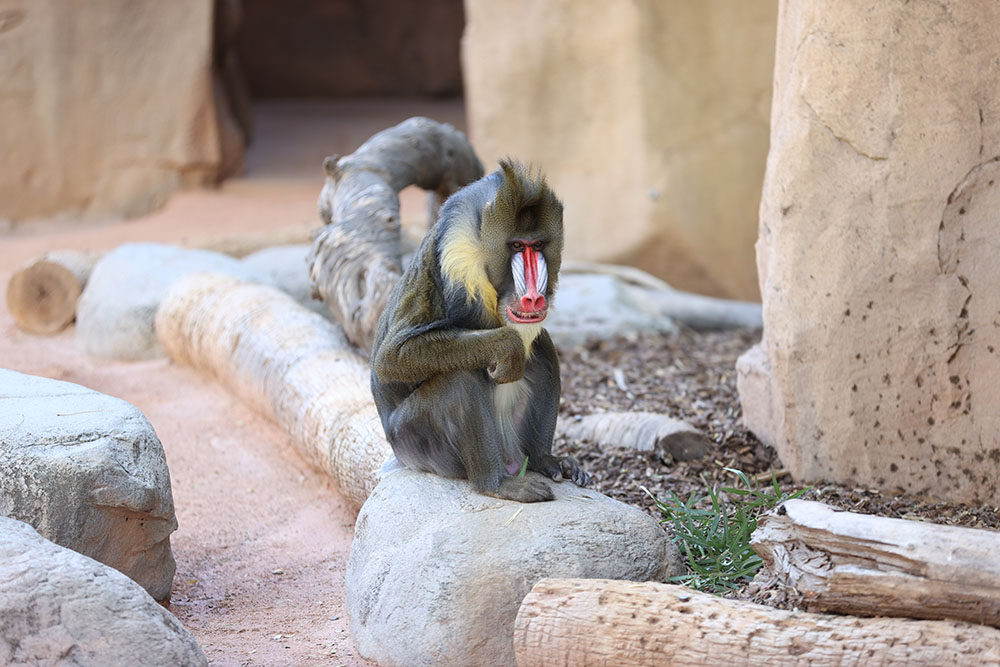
(263, 537)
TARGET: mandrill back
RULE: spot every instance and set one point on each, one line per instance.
(465, 379)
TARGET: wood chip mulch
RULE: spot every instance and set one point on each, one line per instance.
(691, 376)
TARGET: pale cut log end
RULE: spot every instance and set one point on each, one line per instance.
(42, 297)
(686, 445)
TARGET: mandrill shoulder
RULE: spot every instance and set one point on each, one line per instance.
(415, 303)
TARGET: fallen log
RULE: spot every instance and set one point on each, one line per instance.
(640, 431)
(356, 258)
(285, 361)
(585, 622)
(702, 313)
(42, 295)
(871, 565)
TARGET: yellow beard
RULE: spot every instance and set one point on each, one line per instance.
(463, 262)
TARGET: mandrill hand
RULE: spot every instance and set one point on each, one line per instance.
(560, 468)
(508, 366)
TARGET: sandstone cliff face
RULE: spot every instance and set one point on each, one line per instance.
(107, 105)
(878, 248)
(649, 117)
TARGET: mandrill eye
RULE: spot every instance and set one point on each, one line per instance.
(517, 245)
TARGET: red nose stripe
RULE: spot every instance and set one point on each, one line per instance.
(532, 300)
(531, 270)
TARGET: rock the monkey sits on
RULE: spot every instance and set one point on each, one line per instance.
(465, 378)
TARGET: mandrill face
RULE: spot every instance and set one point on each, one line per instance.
(527, 304)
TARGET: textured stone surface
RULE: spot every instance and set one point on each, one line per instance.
(878, 249)
(114, 317)
(60, 608)
(88, 472)
(439, 581)
(286, 267)
(650, 119)
(102, 126)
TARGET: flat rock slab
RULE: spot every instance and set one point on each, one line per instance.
(437, 571)
(88, 472)
(61, 608)
(115, 313)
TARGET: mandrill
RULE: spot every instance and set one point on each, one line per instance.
(465, 378)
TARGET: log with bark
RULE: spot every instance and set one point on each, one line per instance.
(583, 622)
(43, 294)
(356, 258)
(871, 565)
(640, 431)
(286, 362)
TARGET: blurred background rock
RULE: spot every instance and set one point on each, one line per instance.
(650, 118)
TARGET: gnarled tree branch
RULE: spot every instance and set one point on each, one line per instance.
(355, 259)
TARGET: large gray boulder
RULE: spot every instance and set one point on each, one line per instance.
(286, 266)
(60, 608)
(115, 313)
(437, 571)
(89, 473)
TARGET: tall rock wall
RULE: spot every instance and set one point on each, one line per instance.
(878, 248)
(649, 118)
(106, 105)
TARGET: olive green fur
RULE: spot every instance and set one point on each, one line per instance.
(443, 346)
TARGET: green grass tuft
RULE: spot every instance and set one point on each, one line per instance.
(524, 468)
(716, 540)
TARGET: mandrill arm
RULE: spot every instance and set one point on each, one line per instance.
(421, 341)
(416, 358)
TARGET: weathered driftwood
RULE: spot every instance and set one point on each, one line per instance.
(42, 295)
(583, 622)
(703, 313)
(870, 565)
(641, 431)
(285, 361)
(355, 259)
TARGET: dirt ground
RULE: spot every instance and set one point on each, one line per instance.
(263, 538)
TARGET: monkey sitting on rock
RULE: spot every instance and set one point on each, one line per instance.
(465, 379)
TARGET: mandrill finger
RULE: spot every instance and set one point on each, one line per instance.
(572, 470)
